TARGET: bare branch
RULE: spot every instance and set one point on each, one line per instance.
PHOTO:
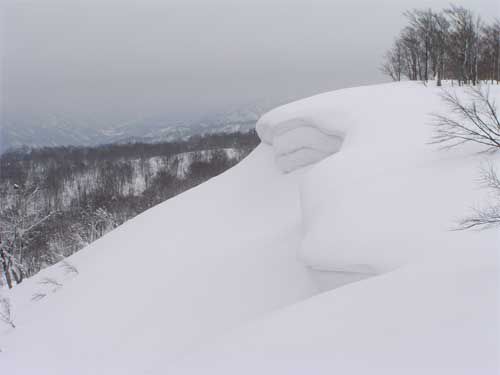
(484, 218)
(475, 122)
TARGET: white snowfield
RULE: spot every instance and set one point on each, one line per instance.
(244, 274)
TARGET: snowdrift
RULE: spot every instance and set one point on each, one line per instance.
(225, 279)
(298, 141)
(387, 197)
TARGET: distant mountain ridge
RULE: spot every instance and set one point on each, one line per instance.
(60, 131)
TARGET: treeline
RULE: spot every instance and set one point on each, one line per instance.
(453, 44)
(129, 150)
(55, 201)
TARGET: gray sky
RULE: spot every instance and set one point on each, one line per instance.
(119, 59)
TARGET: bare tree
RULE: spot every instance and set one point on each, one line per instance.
(490, 52)
(10, 267)
(475, 120)
(411, 47)
(422, 22)
(452, 44)
(439, 44)
(393, 65)
(463, 43)
(16, 226)
(6, 315)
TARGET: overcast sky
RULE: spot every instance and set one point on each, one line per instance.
(119, 59)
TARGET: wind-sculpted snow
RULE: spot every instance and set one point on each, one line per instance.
(224, 279)
(383, 196)
(299, 141)
(388, 197)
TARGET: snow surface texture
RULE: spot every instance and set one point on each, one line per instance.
(224, 279)
(298, 141)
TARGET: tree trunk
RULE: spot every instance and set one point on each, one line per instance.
(18, 277)
(6, 270)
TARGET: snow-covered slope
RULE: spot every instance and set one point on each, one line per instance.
(191, 268)
(224, 279)
(433, 318)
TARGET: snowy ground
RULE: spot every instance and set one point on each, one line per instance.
(227, 278)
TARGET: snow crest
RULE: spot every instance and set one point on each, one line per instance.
(299, 141)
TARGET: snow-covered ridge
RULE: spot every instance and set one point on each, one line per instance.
(383, 163)
(226, 278)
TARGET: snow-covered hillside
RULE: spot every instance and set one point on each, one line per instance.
(235, 276)
(142, 170)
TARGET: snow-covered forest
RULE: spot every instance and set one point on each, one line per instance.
(55, 201)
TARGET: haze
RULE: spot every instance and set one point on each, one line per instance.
(116, 60)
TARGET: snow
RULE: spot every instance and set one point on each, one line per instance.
(432, 318)
(236, 276)
(421, 190)
(297, 141)
(199, 264)
(384, 164)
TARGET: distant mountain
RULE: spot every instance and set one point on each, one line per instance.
(61, 131)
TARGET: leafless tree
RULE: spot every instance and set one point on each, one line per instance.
(464, 43)
(440, 35)
(474, 120)
(453, 44)
(6, 315)
(423, 24)
(16, 225)
(393, 64)
(490, 52)
(411, 50)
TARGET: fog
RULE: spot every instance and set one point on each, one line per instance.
(115, 60)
